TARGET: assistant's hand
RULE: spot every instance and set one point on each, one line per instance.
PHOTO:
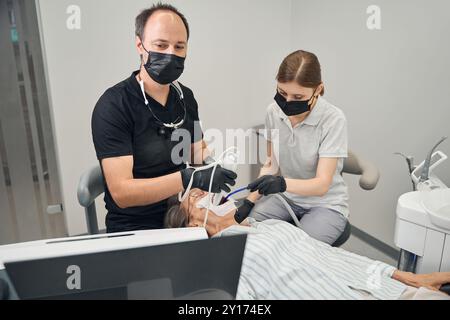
(243, 211)
(268, 185)
(201, 180)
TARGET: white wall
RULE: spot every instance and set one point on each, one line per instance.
(392, 85)
(234, 51)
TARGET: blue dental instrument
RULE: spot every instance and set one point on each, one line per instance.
(235, 192)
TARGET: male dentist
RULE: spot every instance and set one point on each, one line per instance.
(133, 122)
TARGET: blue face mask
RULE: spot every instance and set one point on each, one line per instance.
(292, 108)
(164, 68)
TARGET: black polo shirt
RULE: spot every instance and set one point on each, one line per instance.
(122, 125)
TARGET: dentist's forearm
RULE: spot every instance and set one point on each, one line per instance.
(142, 192)
(308, 188)
(200, 152)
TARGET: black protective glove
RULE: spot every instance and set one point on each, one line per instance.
(268, 185)
(243, 211)
(201, 180)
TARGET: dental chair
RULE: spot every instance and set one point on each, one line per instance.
(368, 181)
(90, 186)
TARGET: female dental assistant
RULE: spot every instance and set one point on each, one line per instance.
(307, 144)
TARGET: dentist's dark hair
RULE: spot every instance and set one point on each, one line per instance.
(142, 18)
(302, 67)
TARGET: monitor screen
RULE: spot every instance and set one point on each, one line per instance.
(206, 268)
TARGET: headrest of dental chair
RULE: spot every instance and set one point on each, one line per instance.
(90, 186)
(358, 166)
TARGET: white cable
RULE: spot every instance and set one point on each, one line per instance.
(181, 196)
(219, 161)
(177, 87)
(141, 84)
(209, 195)
(288, 208)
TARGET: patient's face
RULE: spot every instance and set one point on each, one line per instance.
(195, 216)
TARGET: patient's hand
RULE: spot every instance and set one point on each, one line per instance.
(432, 281)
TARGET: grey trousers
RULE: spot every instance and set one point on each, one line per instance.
(320, 223)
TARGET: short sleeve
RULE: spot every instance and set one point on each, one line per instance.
(268, 125)
(334, 140)
(111, 128)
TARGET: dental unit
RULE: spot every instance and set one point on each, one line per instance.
(422, 228)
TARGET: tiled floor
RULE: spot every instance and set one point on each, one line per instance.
(358, 246)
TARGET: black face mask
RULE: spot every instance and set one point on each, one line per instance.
(292, 108)
(164, 68)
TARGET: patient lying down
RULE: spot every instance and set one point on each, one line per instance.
(283, 262)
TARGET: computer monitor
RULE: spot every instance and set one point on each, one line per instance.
(203, 269)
